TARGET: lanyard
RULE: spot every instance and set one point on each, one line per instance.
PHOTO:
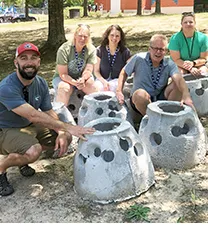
(155, 80)
(187, 45)
(79, 64)
(111, 62)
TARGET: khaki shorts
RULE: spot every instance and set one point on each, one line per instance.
(19, 140)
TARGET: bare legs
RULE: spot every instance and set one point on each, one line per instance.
(15, 159)
(141, 98)
(65, 90)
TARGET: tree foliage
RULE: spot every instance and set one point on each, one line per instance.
(20, 3)
(77, 2)
(39, 3)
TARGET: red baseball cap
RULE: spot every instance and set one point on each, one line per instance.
(27, 46)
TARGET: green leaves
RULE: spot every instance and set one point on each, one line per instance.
(137, 212)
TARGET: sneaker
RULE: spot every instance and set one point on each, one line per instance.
(5, 187)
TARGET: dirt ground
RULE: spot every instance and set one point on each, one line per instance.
(49, 197)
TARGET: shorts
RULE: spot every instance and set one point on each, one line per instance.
(19, 140)
(55, 82)
(161, 96)
(133, 107)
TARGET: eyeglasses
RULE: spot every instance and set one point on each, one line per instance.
(188, 13)
(25, 93)
(158, 49)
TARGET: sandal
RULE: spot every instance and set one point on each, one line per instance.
(26, 170)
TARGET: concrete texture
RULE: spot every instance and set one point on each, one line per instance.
(198, 89)
(101, 104)
(113, 165)
(173, 135)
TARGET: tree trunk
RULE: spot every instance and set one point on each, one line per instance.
(139, 7)
(85, 8)
(26, 8)
(56, 33)
(157, 7)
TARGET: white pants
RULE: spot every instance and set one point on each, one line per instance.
(112, 83)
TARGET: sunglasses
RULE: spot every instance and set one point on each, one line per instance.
(80, 25)
(188, 13)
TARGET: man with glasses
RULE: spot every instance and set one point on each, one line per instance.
(24, 129)
(152, 74)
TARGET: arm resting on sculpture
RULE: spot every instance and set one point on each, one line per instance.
(181, 85)
(42, 118)
(121, 81)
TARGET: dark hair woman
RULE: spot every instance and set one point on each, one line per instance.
(112, 55)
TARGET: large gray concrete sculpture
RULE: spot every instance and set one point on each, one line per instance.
(65, 115)
(101, 104)
(112, 165)
(198, 89)
(75, 103)
(173, 135)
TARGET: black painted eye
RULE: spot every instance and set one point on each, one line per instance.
(108, 156)
(124, 144)
(177, 131)
(199, 91)
(97, 152)
(135, 151)
(114, 106)
(112, 114)
(99, 111)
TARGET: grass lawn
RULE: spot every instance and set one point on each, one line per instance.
(179, 196)
(138, 30)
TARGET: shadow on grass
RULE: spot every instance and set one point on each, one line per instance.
(136, 42)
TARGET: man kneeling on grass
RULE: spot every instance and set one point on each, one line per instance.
(24, 129)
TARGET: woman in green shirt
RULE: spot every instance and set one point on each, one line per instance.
(189, 47)
(74, 65)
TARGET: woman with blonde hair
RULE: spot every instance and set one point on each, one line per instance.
(189, 47)
(74, 66)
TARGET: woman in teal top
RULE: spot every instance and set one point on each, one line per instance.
(189, 48)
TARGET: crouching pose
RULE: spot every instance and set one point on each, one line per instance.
(152, 72)
(28, 124)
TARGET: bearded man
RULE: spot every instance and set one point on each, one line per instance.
(28, 124)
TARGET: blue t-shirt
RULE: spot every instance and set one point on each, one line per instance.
(11, 96)
(140, 66)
